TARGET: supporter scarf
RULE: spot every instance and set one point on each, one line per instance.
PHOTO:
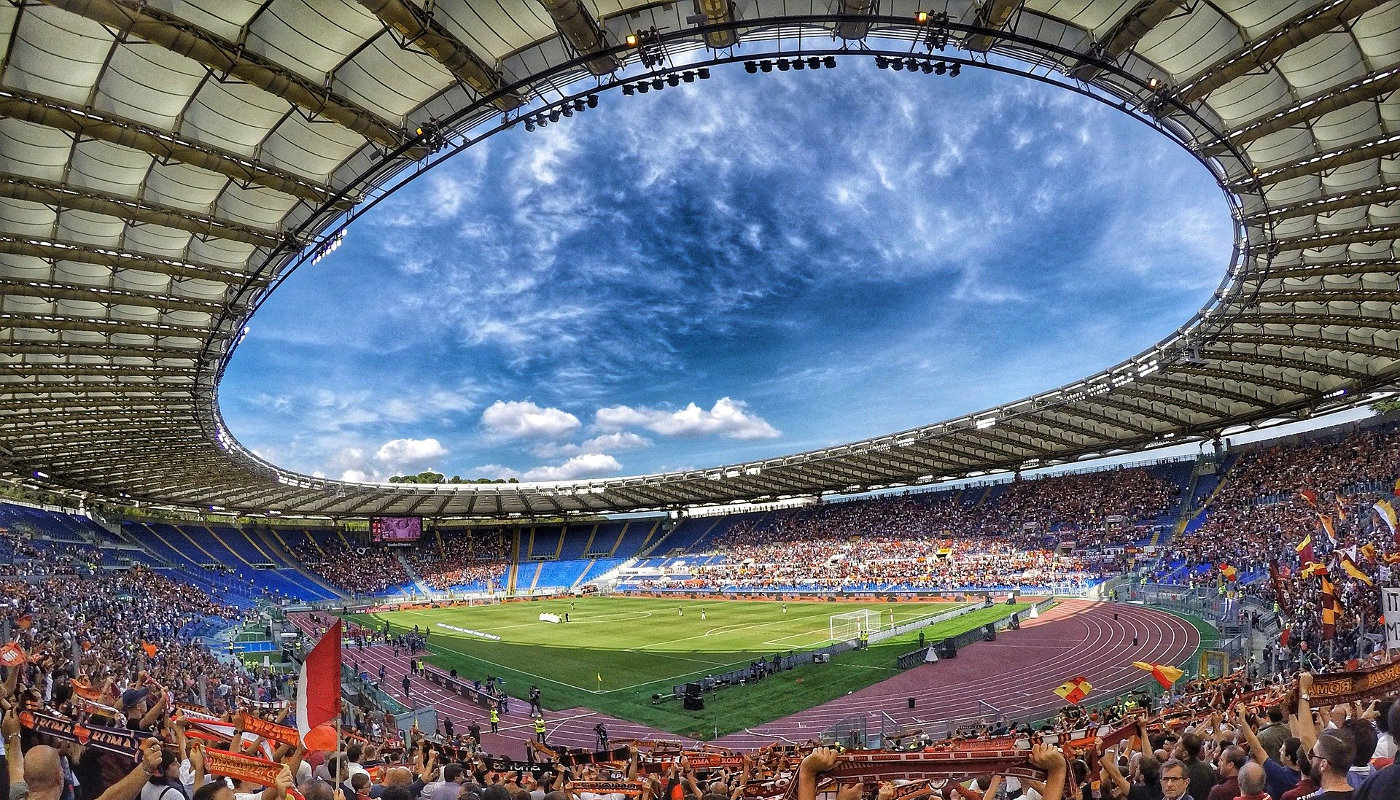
(1340, 688)
(84, 689)
(12, 655)
(241, 767)
(629, 788)
(495, 764)
(913, 791)
(119, 741)
(262, 705)
(95, 708)
(271, 731)
(960, 760)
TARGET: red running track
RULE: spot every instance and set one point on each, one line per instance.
(1016, 674)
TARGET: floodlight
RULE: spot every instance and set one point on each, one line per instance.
(956, 70)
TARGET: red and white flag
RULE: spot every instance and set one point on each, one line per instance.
(318, 692)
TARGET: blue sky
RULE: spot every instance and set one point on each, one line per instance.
(733, 269)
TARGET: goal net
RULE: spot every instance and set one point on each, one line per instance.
(848, 625)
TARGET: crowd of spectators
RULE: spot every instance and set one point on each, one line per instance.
(123, 637)
(462, 557)
(442, 560)
(948, 540)
(1273, 500)
(356, 569)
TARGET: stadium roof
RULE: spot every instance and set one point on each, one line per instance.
(165, 162)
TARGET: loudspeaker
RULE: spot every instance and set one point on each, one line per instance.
(692, 690)
(948, 649)
(695, 703)
(1015, 622)
(989, 632)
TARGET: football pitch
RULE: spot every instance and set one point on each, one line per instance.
(614, 653)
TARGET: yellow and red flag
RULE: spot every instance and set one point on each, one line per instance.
(1341, 509)
(1387, 514)
(1368, 551)
(1305, 551)
(150, 649)
(1328, 527)
(1075, 689)
(1164, 674)
(1330, 607)
(1313, 570)
(1310, 497)
(25, 622)
(1350, 568)
(1229, 572)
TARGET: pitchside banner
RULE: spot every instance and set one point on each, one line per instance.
(1390, 599)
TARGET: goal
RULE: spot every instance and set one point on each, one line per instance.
(848, 625)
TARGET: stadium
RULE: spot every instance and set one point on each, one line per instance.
(1142, 583)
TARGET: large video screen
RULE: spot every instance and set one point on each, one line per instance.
(395, 529)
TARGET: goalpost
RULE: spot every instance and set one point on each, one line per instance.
(848, 625)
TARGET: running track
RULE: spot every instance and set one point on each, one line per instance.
(1015, 674)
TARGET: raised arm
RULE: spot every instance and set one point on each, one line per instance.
(129, 788)
(1255, 748)
(1050, 759)
(817, 762)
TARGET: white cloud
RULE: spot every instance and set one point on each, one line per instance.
(728, 418)
(587, 465)
(618, 440)
(524, 419)
(412, 454)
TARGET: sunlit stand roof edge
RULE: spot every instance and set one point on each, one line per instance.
(140, 227)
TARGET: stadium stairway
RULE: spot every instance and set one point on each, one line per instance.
(414, 576)
(282, 553)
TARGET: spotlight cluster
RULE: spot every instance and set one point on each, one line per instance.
(950, 68)
(568, 108)
(649, 47)
(327, 247)
(661, 82)
(785, 64)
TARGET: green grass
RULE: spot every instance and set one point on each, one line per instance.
(642, 646)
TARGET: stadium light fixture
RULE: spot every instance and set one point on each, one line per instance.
(829, 62)
(40, 474)
(921, 17)
(955, 71)
(628, 90)
(633, 40)
(985, 423)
